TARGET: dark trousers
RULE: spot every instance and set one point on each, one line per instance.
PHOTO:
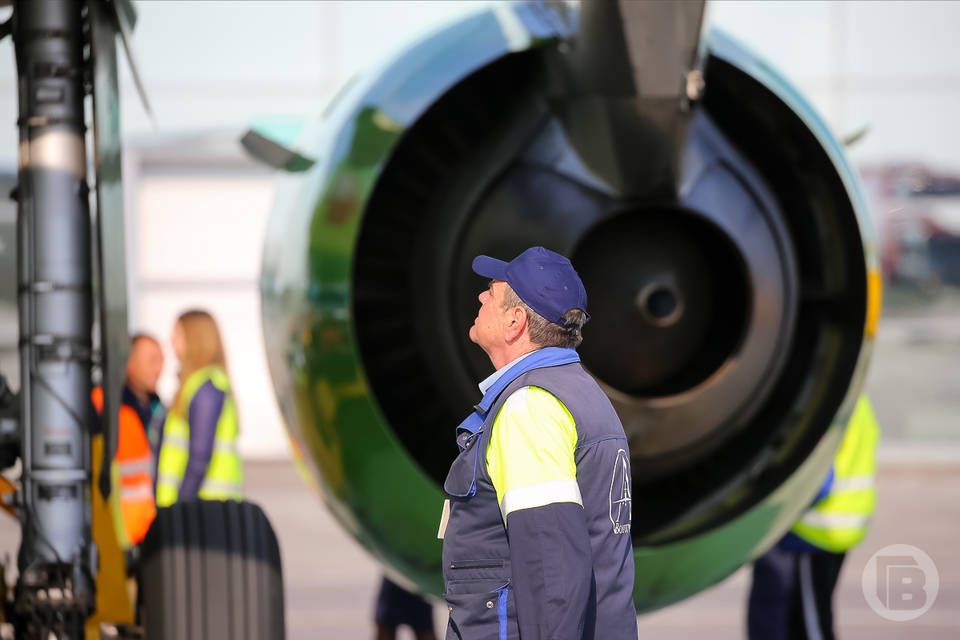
(397, 607)
(792, 595)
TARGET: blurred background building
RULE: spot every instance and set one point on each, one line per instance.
(197, 206)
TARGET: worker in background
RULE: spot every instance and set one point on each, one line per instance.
(536, 533)
(132, 469)
(198, 449)
(398, 607)
(793, 583)
(144, 367)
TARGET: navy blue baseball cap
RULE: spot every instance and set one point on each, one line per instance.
(544, 280)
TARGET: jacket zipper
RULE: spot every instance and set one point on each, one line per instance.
(488, 563)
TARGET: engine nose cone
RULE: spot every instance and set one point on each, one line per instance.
(660, 304)
(667, 296)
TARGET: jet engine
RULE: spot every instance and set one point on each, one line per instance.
(712, 216)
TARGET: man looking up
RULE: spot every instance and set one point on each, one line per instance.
(537, 529)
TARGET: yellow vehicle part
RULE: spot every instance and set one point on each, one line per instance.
(114, 604)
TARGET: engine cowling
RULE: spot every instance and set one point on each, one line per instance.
(732, 313)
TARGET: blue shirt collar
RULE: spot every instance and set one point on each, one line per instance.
(493, 377)
(546, 357)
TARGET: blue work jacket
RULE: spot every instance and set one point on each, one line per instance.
(557, 571)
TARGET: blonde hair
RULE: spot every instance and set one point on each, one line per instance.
(202, 346)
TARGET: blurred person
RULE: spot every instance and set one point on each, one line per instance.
(132, 469)
(144, 367)
(792, 592)
(398, 607)
(198, 448)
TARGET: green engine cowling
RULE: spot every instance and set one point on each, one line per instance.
(727, 279)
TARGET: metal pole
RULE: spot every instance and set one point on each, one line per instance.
(56, 558)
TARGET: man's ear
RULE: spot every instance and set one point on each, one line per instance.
(517, 323)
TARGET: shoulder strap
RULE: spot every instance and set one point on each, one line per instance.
(197, 379)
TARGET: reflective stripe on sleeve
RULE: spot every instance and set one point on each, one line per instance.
(854, 483)
(834, 520)
(540, 495)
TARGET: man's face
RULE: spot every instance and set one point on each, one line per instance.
(488, 328)
(144, 365)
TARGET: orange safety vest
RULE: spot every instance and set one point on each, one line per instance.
(131, 469)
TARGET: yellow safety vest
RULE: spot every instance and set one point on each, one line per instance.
(839, 521)
(224, 477)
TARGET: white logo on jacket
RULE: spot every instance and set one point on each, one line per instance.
(621, 504)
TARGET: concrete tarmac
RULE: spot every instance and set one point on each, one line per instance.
(331, 581)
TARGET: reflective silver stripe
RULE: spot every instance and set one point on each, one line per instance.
(539, 495)
(221, 487)
(140, 465)
(168, 478)
(854, 483)
(834, 520)
(176, 440)
(229, 446)
(811, 619)
(225, 446)
(142, 493)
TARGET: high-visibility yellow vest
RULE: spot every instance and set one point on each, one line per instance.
(839, 521)
(224, 477)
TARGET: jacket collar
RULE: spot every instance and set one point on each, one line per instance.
(546, 357)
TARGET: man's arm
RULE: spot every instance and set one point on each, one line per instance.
(531, 462)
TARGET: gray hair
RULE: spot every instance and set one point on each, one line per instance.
(544, 333)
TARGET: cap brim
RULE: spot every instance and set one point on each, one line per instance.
(490, 267)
